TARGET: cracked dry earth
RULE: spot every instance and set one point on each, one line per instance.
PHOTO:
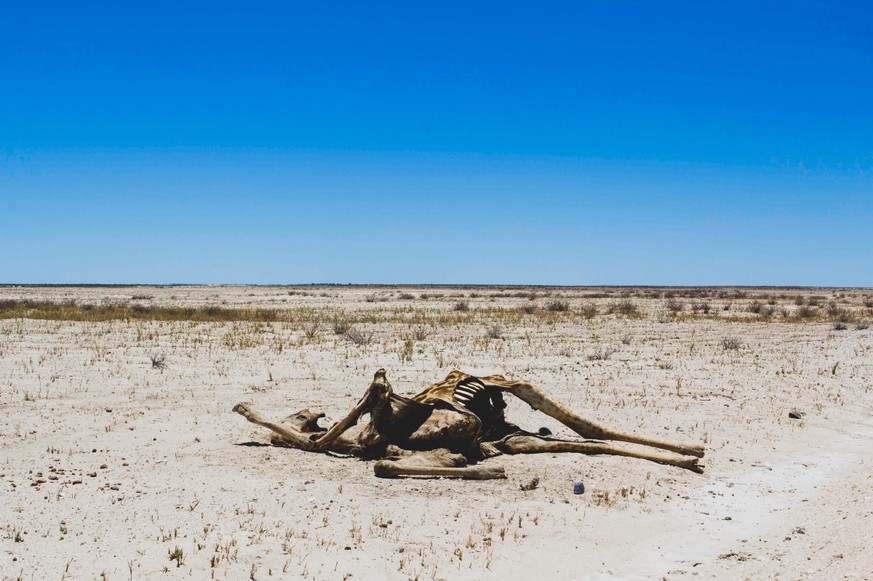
(120, 457)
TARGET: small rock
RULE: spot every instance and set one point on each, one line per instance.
(578, 487)
(795, 415)
(534, 482)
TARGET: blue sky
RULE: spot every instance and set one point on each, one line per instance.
(454, 142)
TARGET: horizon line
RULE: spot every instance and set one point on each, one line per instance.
(433, 285)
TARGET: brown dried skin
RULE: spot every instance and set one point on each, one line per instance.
(452, 423)
(304, 421)
(444, 427)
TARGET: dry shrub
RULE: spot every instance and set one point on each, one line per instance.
(159, 361)
(359, 338)
(840, 314)
(588, 310)
(494, 332)
(805, 312)
(623, 307)
(420, 333)
(341, 327)
(601, 354)
(311, 330)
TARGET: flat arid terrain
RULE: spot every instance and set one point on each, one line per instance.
(121, 457)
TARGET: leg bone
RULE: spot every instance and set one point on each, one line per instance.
(538, 400)
(290, 437)
(436, 463)
(534, 445)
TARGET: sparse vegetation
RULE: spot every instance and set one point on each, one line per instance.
(178, 555)
(159, 361)
(341, 327)
(359, 338)
(494, 332)
(420, 333)
(588, 311)
(557, 306)
(624, 307)
(805, 312)
(654, 378)
(74, 311)
(601, 354)
(311, 330)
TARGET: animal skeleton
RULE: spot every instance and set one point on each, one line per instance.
(449, 427)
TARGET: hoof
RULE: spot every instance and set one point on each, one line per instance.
(385, 469)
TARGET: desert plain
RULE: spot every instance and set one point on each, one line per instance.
(120, 457)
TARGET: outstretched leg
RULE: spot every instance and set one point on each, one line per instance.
(351, 418)
(376, 394)
(436, 463)
(385, 422)
(289, 437)
(528, 444)
(538, 400)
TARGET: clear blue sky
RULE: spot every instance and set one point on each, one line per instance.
(449, 142)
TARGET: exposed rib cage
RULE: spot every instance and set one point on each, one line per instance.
(467, 390)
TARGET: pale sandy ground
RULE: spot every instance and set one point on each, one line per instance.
(108, 465)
